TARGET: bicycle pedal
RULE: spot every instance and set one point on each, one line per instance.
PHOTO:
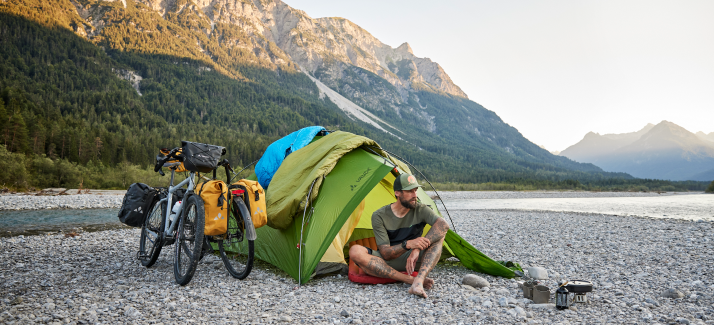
(141, 257)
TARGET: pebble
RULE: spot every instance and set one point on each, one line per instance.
(475, 281)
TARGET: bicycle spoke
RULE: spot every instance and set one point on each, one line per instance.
(186, 250)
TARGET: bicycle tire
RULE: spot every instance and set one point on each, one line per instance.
(189, 240)
(237, 251)
(151, 234)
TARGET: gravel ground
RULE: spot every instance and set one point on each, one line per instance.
(95, 278)
(78, 201)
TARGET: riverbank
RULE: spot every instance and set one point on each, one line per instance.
(95, 277)
(107, 199)
(62, 199)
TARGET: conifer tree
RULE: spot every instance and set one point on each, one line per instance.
(18, 134)
(3, 122)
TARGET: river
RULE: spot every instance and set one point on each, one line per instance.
(689, 207)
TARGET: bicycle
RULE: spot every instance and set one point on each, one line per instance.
(160, 226)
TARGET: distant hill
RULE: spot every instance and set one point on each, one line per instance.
(662, 151)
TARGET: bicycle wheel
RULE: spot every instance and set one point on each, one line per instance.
(189, 240)
(152, 230)
(236, 249)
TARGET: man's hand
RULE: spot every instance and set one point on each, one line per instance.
(420, 243)
(411, 261)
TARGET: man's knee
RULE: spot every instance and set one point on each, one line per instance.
(359, 252)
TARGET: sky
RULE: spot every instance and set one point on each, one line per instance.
(556, 70)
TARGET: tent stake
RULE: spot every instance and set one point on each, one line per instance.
(302, 229)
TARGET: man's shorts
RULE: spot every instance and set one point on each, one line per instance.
(399, 263)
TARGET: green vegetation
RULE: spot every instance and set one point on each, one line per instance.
(710, 189)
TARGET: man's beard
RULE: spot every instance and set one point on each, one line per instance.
(407, 204)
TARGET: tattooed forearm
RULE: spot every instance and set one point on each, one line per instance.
(391, 252)
(437, 231)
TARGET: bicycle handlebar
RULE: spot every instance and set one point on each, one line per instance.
(160, 162)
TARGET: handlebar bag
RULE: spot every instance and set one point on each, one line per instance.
(201, 157)
(174, 164)
(215, 205)
(255, 200)
(136, 204)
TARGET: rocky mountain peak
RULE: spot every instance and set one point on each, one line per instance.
(405, 48)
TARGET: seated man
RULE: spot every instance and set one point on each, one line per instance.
(397, 231)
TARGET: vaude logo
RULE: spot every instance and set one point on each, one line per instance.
(218, 217)
(364, 174)
(258, 210)
(138, 210)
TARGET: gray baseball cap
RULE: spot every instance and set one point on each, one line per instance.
(405, 182)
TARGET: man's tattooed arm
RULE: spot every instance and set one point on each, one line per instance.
(437, 232)
(391, 252)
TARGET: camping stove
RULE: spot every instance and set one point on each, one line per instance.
(579, 288)
(580, 297)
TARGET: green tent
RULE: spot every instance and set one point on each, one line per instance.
(325, 193)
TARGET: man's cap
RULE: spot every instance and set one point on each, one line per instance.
(405, 182)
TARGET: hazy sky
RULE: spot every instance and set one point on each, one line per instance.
(558, 69)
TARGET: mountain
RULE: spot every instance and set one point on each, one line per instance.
(91, 82)
(594, 145)
(662, 151)
(704, 136)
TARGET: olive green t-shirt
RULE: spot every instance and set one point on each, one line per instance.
(390, 230)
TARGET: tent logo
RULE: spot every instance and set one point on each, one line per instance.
(363, 174)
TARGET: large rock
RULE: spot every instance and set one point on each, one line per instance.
(538, 273)
(672, 293)
(475, 281)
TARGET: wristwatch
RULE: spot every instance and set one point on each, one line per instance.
(404, 245)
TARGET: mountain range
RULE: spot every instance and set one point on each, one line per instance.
(109, 81)
(662, 151)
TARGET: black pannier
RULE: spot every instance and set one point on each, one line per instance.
(136, 204)
(201, 157)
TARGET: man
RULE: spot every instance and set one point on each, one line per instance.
(397, 231)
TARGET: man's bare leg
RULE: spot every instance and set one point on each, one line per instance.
(431, 257)
(376, 266)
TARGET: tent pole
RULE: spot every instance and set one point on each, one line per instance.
(427, 180)
(302, 229)
(244, 168)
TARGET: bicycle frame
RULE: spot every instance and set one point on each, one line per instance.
(170, 228)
